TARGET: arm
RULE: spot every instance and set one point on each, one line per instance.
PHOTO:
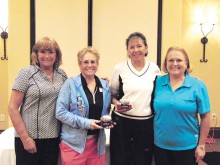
(204, 130)
(117, 92)
(114, 86)
(204, 111)
(115, 101)
(13, 110)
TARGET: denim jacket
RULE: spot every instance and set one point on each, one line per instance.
(72, 110)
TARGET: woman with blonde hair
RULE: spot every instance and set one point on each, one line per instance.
(82, 101)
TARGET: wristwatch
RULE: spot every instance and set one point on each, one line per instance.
(202, 147)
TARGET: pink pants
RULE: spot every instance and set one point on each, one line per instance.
(88, 157)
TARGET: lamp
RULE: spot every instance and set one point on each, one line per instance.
(4, 36)
(204, 41)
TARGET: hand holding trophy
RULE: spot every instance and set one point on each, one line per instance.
(124, 106)
(106, 121)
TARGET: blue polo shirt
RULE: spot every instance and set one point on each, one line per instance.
(176, 124)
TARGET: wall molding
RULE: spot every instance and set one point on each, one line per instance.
(159, 33)
(32, 25)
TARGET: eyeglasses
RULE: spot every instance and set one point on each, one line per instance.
(87, 62)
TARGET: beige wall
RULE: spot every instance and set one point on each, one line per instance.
(18, 51)
(3, 91)
(3, 64)
(113, 21)
(178, 29)
(66, 22)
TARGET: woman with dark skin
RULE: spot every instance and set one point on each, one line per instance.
(131, 140)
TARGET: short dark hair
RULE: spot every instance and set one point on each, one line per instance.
(138, 35)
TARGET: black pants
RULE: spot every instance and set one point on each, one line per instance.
(131, 141)
(170, 157)
(47, 152)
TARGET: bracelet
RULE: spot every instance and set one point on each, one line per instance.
(202, 147)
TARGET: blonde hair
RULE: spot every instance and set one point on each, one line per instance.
(85, 50)
(46, 43)
(175, 48)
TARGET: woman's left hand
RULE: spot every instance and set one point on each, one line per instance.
(199, 153)
(204, 131)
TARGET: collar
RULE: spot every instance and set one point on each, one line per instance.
(138, 73)
(186, 82)
(84, 83)
(39, 68)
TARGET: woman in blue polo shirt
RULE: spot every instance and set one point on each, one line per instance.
(179, 98)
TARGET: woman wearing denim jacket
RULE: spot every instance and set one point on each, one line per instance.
(82, 100)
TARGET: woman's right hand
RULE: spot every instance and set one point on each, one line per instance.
(29, 145)
(119, 107)
(95, 124)
(18, 123)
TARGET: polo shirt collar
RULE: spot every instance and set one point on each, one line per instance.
(186, 82)
(84, 83)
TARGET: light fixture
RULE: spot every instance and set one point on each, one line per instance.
(204, 41)
(4, 36)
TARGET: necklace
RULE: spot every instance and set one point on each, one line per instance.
(50, 74)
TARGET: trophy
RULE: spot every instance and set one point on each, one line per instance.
(106, 121)
(124, 106)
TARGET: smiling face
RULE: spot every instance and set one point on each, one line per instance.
(43, 53)
(136, 49)
(176, 63)
(46, 58)
(88, 65)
